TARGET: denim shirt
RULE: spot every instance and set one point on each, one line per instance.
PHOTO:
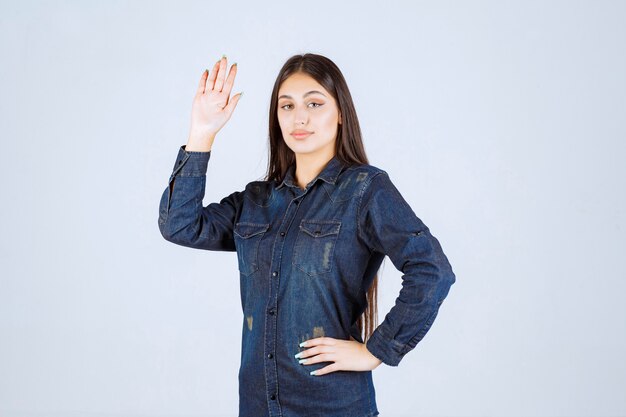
(306, 258)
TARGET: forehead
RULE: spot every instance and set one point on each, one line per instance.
(296, 85)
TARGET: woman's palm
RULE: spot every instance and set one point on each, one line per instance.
(212, 104)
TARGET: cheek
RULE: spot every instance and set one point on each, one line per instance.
(282, 122)
(325, 118)
(329, 120)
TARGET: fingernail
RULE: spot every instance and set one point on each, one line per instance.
(303, 344)
(313, 372)
(223, 55)
(234, 63)
(240, 94)
(301, 361)
(298, 355)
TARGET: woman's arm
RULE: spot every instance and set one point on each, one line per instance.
(182, 218)
(387, 224)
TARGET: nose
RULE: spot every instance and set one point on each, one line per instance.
(301, 116)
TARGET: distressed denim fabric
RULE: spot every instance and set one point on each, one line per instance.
(306, 258)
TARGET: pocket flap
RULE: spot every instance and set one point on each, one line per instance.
(320, 228)
(247, 230)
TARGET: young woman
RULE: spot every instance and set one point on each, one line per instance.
(309, 240)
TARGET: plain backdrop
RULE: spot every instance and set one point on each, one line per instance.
(502, 123)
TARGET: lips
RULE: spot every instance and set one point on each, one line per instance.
(301, 135)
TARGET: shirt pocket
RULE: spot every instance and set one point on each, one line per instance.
(315, 246)
(247, 239)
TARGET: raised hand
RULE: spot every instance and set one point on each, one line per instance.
(212, 105)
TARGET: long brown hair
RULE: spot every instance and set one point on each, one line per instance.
(349, 145)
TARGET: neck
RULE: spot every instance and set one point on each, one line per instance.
(308, 166)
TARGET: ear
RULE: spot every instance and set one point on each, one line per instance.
(340, 118)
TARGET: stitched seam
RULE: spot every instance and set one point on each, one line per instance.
(420, 334)
(358, 211)
(369, 392)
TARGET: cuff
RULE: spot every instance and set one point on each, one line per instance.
(190, 163)
(384, 348)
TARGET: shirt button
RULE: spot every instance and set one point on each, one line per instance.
(269, 355)
(296, 202)
(273, 397)
(274, 273)
(282, 233)
(180, 162)
(272, 312)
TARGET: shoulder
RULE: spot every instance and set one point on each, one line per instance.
(362, 173)
(364, 168)
(259, 192)
(377, 187)
(366, 176)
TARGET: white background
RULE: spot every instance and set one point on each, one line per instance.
(502, 123)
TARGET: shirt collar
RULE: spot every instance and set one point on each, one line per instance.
(329, 173)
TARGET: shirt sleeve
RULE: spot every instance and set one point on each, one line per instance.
(387, 224)
(182, 218)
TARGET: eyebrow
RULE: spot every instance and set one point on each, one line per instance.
(305, 94)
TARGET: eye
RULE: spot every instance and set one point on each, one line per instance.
(315, 105)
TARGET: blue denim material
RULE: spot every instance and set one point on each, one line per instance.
(306, 258)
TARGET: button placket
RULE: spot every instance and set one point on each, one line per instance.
(271, 322)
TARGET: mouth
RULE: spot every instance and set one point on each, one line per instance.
(301, 135)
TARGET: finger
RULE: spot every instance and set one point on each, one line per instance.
(219, 81)
(325, 370)
(323, 340)
(322, 357)
(230, 80)
(315, 351)
(211, 80)
(202, 82)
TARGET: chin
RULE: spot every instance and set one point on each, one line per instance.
(303, 147)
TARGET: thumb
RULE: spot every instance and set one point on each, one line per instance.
(230, 107)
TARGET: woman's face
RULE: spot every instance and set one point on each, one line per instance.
(304, 105)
